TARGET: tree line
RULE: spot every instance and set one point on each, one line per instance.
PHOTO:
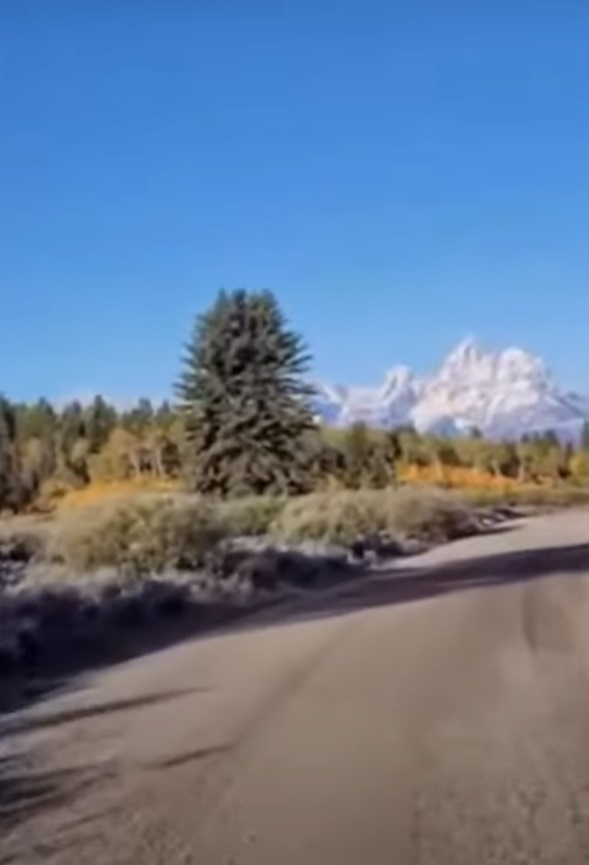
(242, 423)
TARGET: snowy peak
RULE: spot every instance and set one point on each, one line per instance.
(470, 364)
(503, 393)
(399, 382)
(467, 354)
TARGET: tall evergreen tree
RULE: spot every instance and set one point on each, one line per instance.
(245, 400)
(357, 448)
(8, 467)
(139, 419)
(100, 420)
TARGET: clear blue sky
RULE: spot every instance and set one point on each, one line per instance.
(402, 174)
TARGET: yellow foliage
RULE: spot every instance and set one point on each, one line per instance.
(456, 477)
(57, 496)
(579, 466)
(97, 491)
(50, 494)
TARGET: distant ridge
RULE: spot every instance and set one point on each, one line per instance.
(505, 394)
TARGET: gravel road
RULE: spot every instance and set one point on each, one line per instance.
(437, 714)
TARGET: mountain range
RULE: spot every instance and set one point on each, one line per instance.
(504, 394)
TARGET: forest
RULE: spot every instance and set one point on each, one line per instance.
(240, 423)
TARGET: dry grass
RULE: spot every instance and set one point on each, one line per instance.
(96, 492)
(528, 496)
(456, 477)
(479, 487)
(253, 515)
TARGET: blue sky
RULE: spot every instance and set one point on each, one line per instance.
(401, 174)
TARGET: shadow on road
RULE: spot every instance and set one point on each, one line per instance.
(81, 713)
(401, 586)
(24, 792)
(397, 585)
(189, 757)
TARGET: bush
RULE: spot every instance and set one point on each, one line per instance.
(332, 517)
(138, 535)
(429, 515)
(253, 515)
(344, 517)
(22, 539)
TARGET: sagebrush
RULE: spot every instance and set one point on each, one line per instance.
(343, 517)
(142, 534)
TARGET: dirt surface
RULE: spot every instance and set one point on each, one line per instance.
(437, 714)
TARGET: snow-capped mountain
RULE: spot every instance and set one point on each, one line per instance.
(504, 394)
(387, 405)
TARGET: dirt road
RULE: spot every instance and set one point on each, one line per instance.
(437, 715)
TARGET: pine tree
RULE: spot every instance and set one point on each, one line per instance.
(140, 419)
(100, 420)
(392, 453)
(245, 402)
(357, 449)
(72, 447)
(9, 480)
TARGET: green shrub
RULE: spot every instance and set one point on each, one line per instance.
(343, 517)
(138, 534)
(253, 515)
(428, 514)
(23, 538)
(333, 517)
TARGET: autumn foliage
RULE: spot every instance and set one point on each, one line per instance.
(244, 426)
